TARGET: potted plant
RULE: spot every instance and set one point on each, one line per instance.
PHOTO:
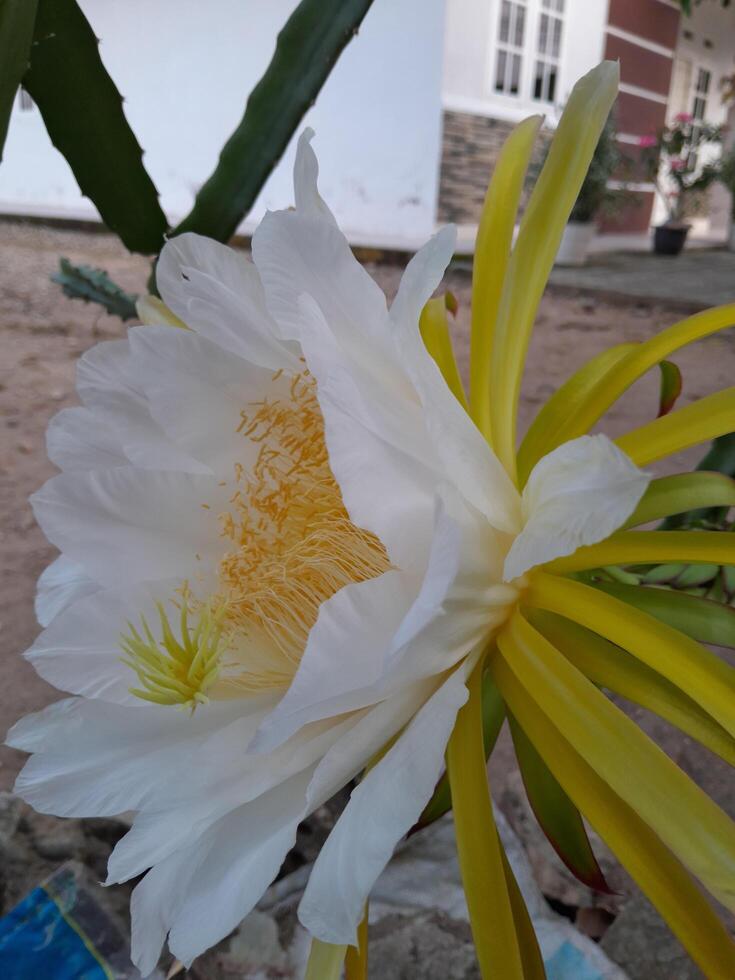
(594, 197)
(672, 163)
(727, 177)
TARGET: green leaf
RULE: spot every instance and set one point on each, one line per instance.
(493, 716)
(720, 458)
(694, 575)
(306, 51)
(702, 619)
(671, 384)
(94, 286)
(17, 18)
(663, 574)
(83, 113)
(558, 817)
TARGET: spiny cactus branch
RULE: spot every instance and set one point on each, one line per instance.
(307, 49)
(95, 286)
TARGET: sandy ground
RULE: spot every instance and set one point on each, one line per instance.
(43, 334)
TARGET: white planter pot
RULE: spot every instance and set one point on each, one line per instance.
(731, 243)
(575, 243)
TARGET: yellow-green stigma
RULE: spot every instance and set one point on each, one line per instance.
(175, 671)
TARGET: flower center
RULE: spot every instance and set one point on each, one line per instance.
(291, 546)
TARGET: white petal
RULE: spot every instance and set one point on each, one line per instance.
(344, 657)
(466, 457)
(381, 810)
(577, 495)
(98, 759)
(372, 731)
(59, 586)
(108, 386)
(196, 392)
(80, 439)
(220, 776)
(80, 650)
(322, 297)
(127, 525)
(201, 893)
(192, 891)
(299, 253)
(462, 597)
(305, 174)
(217, 292)
(376, 440)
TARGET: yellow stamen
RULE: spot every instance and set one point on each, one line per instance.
(290, 546)
(176, 671)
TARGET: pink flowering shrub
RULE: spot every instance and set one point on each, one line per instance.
(671, 160)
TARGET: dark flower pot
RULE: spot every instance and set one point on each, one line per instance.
(669, 239)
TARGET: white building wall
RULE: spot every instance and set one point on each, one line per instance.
(470, 52)
(185, 68)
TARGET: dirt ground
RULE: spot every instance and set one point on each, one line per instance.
(43, 334)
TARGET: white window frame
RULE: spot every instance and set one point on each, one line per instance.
(529, 55)
(698, 95)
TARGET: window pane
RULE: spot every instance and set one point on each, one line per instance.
(543, 33)
(699, 107)
(556, 38)
(504, 31)
(515, 74)
(551, 83)
(500, 72)
(520, 26)
(538, 82)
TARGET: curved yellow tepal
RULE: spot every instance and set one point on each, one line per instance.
(154, 313)
(615, 374)
(650, 548)
(435, 335)
(701, 421)
(492, 254)
(538, 241)
(543, 433)
(669, 495)
(325, 961)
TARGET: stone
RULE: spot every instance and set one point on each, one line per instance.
(60, 843)
(430, 945)
(254, 947)
(642, 944)
(11, 810)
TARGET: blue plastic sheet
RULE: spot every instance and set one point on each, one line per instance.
(569, 963)
(59, 932)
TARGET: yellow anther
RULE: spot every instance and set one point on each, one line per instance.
(293, 543)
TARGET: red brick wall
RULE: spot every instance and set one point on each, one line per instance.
(650, 70)
(650, 19)
(641, 67)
